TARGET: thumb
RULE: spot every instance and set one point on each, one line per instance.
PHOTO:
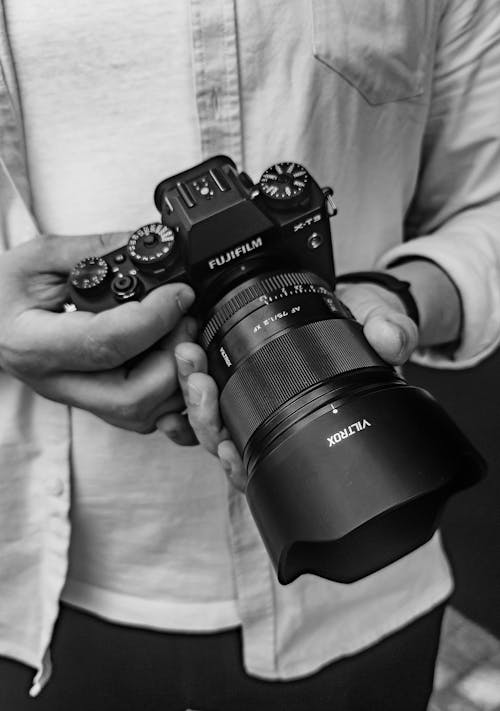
(393, 335)
(387, 327)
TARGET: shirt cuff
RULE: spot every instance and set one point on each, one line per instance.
(474, 267)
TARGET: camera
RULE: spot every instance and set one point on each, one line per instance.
(348, 466)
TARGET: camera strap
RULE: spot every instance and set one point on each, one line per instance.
(389, 282)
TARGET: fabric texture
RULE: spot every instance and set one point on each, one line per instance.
(134, 669)
(414, 163)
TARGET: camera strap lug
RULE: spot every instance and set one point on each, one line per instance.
(331, 208)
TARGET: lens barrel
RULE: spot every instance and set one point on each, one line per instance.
(348, 466)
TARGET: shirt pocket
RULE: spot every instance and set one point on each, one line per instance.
(378, 46)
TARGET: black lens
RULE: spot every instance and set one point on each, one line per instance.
(348, 466)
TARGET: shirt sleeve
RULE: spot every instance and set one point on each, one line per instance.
(454, 219)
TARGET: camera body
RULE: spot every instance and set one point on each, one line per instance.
(218, 228)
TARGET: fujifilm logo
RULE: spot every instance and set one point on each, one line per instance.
(348, 432)
(238, 251)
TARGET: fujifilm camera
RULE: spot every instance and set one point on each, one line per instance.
(348, 466)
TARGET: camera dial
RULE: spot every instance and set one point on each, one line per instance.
(125, 287)
(285, 184)
(151, 246)
(90, 274)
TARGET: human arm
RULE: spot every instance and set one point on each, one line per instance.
(454, 219)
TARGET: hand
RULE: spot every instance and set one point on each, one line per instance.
(387, 327)
(80, 358)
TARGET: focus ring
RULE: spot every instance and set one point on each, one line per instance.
(243, 297)
(288, 365)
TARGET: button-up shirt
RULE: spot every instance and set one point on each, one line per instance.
(394, 104)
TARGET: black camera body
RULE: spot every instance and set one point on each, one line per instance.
(217, 228)
(348, 466)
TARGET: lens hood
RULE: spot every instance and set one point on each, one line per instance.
(359, 482)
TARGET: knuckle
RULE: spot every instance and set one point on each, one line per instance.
(50, 243)
(170, 385)
(128, 412)
(110, 240)
(20, 360)
(155, 322)
(102, 353)
(102, 243)
(134, 410)
(143, 410)
(206, 430)
(123, 408)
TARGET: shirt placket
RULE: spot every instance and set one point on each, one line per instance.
(216, 77)
(218, 100)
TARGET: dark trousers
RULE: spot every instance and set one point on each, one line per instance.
(100, 666)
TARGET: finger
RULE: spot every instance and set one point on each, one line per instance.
(60, 253)
(155, 376)
(203, 411)
(232, 464)
(177, 428)
(190, 358)
(83, 341)
(387, 327)
(185, 331)
(393, 335)
(132, 399)
(109, 409)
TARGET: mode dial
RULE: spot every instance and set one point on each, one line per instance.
(285, 184)
(151, 246)
(89, 274)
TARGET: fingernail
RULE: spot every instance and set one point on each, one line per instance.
(194, 395)
(226, 465)
(185, 366)
(400, 336)
(185, 298)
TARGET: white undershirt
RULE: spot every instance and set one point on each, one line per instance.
(108, 107)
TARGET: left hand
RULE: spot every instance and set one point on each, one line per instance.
(386, 326)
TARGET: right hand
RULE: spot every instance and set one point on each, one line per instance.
(81, 358)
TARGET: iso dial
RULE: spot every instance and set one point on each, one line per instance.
(90, 274)
(151, 246)
(285, 185)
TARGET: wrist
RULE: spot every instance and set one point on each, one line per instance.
(387, 285)
(437, 299)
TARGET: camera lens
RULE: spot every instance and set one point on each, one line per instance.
(274, 337)
(348, 466)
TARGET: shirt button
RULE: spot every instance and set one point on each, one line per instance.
(55, 487)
